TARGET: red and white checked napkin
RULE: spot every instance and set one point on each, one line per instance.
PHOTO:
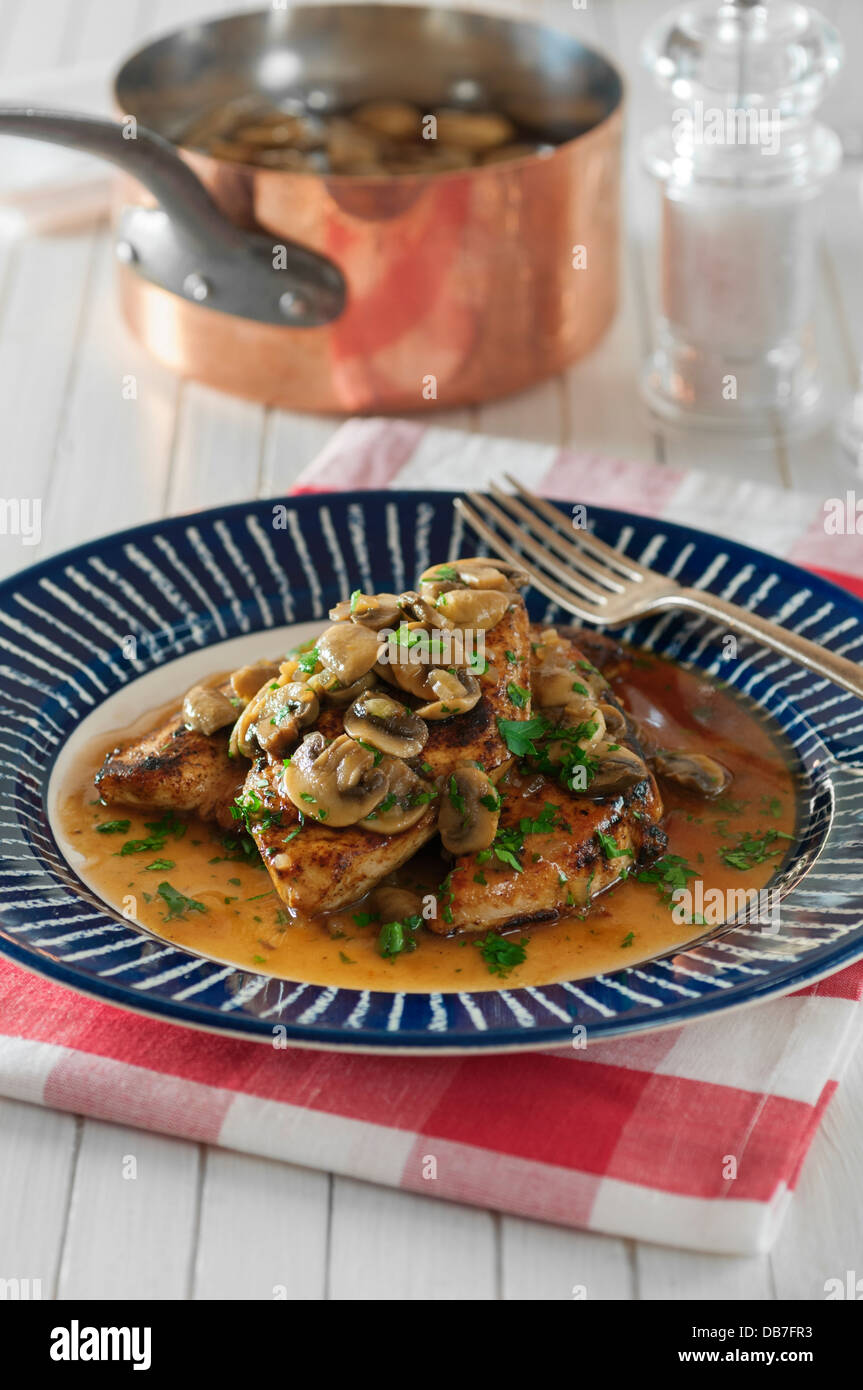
(630, 1137)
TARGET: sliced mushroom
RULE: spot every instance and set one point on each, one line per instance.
(369, 610)
(407, 675)
(469, 810)
(474, 130)
(414, 605)
(696, 771)
(586, 720)
(456, 694)
(405, 801)
(475, 573)
(206, 708)
(476, 608)
(324, 683)
(283, 713)
(337, 783)
(274, 719)
(353, 149)
(615, 722)
(619, 769)
(553, 683)
(398, 120)
(387, 724)
(348, 650)
(341, 695)
(393, 904)
(247, 681)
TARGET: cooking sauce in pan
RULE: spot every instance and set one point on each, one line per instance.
(241, 919)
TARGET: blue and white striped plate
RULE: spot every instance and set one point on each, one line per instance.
(222, 576)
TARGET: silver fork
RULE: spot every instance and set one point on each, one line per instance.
(600, 585)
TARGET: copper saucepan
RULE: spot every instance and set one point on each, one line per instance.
(389, 293)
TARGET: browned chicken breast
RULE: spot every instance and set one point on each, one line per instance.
(174, 768)
(317, 868)
(568, 849)
(556, 848)
(320, 868)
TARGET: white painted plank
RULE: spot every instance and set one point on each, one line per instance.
(217, 454)
(667, 1275)
(536, 414)
(551, 1264)
(130, 1236)
(103, 29)
(263, 1230)
(292, 440)
(37, 1155)
(394, 1245)
(113, 457)
(822, 1236)
(39, 323)
(35, 37)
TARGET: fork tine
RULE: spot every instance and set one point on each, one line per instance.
(631, 569)
(572, 580)
(586, 611)
(571, 553)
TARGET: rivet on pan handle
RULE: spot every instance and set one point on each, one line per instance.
(186, 245)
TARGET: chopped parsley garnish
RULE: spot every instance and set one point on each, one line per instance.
(363, 919)
(113, 827)
(355, 599)
(628, 939)
(668, 874)
(517, 694)
(163, 864)
(444, 574)
(752, 849)
(511, 656)
(307, 661)
(398, 937)
(610, 847)
(159, 832)
(177, 903)
(500, 954)
(519, 734)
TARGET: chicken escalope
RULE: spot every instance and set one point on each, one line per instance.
(321, 869)
(173, 768)
(555, 849)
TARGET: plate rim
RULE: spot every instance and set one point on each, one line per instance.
(784, 979)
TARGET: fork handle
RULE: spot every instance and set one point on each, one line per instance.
(836, 668)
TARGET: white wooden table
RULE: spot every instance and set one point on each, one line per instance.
(200, 1222)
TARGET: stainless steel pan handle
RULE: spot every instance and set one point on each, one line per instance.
(187, 245)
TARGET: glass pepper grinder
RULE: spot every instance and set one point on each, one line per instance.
(741, 165)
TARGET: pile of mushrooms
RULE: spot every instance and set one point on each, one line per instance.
(576, 696)
(365, 666)
(377, 137)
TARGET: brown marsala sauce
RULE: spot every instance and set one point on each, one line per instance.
(246, 924)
